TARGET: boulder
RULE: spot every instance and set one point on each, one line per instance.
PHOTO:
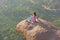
(41, 30)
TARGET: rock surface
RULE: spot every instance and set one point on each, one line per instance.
(41, 30)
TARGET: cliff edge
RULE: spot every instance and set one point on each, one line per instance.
(41, 30)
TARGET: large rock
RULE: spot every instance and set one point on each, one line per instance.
(58, 34)
(41, 30)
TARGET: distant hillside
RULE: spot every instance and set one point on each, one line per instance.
(14, 9)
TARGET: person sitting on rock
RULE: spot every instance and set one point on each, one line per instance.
(33, 18)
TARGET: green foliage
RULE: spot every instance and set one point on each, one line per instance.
(57, 22)
(13, 11)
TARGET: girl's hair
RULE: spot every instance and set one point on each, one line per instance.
(34, 14)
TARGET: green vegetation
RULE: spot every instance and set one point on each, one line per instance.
(57, 22)
(13, 11)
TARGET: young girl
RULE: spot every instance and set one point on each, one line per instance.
(34, 17)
